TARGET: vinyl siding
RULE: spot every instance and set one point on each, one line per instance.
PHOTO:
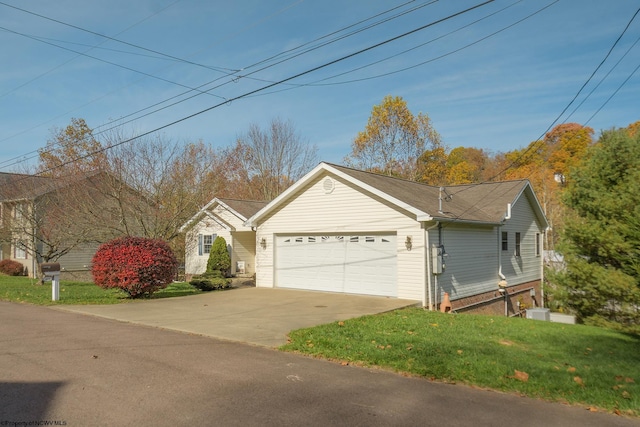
(79, 259)
(244, 249)
(194, 263)
(527, 267)
(471, 261)
(345, 210)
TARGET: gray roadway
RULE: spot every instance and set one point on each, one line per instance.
(84, 370)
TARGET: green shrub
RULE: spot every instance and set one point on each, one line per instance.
(219, 259)
(210, 281)
(11, 268)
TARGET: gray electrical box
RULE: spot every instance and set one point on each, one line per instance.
(539, 314)
(437, 259)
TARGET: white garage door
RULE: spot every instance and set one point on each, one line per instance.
(355, 263)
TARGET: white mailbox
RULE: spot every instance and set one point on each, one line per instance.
(52, 269)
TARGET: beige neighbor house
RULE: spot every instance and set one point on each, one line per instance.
(225, 218)
(343, 230)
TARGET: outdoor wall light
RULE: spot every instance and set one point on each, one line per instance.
(263, 243)
(408, 243)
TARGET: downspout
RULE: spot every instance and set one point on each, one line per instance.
(503, 280)
(427, 252)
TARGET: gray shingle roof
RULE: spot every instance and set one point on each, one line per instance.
(15, 186)
(486, 202)
(246, 208)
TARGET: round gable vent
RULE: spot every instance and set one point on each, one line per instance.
(328, 185)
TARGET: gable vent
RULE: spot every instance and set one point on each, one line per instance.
(328, 185)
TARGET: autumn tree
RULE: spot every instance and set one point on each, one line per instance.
(71, 151)
(467, 165)
(394, 139)
(601, 238)
(271, 159)
(547, 164)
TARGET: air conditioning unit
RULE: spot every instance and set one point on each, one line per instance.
(539, 314)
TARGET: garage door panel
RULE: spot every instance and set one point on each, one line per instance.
(348, 263)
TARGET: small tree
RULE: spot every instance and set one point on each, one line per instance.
(219, 259)
(137, 265)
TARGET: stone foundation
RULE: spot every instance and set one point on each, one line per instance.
(494, 302)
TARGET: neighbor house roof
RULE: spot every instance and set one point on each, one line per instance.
(15, 186)
(478, 203)
(243, 209)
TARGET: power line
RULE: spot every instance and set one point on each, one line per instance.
(540, 138)
(219, 69)
(311, 70)
(120, 123)
(105, 61)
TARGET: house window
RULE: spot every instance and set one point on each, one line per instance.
(538, 244)
(205, 241)
(505, 241)
(18, 213)
(517, 244)
(20, 250)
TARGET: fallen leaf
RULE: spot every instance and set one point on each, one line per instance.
(506, 342)
(578, 380)
(409, 347)
(626, 395)
(435, 325)
(340, 323)
(344, 363)
(592, 409)
(521, 376)
(459, 351)
(628, 380)
(571, 369)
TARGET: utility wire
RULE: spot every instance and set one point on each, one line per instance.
(120, 123)
(540, 138)
(108, 62)
(186, 61)
(311, 70)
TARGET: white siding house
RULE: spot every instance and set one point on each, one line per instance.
(344, 230)
(225, 218)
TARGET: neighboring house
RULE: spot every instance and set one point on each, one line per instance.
(344, 230)
(45, 219)
(222, 217)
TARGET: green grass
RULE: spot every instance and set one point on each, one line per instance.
(575, 364)
(23, 289)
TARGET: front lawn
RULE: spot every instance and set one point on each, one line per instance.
(23, 289)
(577, 364)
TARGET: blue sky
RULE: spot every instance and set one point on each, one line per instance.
(497, 92)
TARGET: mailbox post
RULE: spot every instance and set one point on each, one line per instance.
(52, 269)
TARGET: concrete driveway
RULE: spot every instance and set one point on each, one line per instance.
(259, 316)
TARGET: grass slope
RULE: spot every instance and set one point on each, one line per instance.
(577, 364)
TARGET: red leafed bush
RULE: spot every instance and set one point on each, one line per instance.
(137, 265)
(11, 268)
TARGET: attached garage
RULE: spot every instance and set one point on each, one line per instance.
(348, 231)
(350, 263)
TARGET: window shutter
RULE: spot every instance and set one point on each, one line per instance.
(200, 248)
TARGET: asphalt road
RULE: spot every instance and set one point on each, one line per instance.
(79, 370)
